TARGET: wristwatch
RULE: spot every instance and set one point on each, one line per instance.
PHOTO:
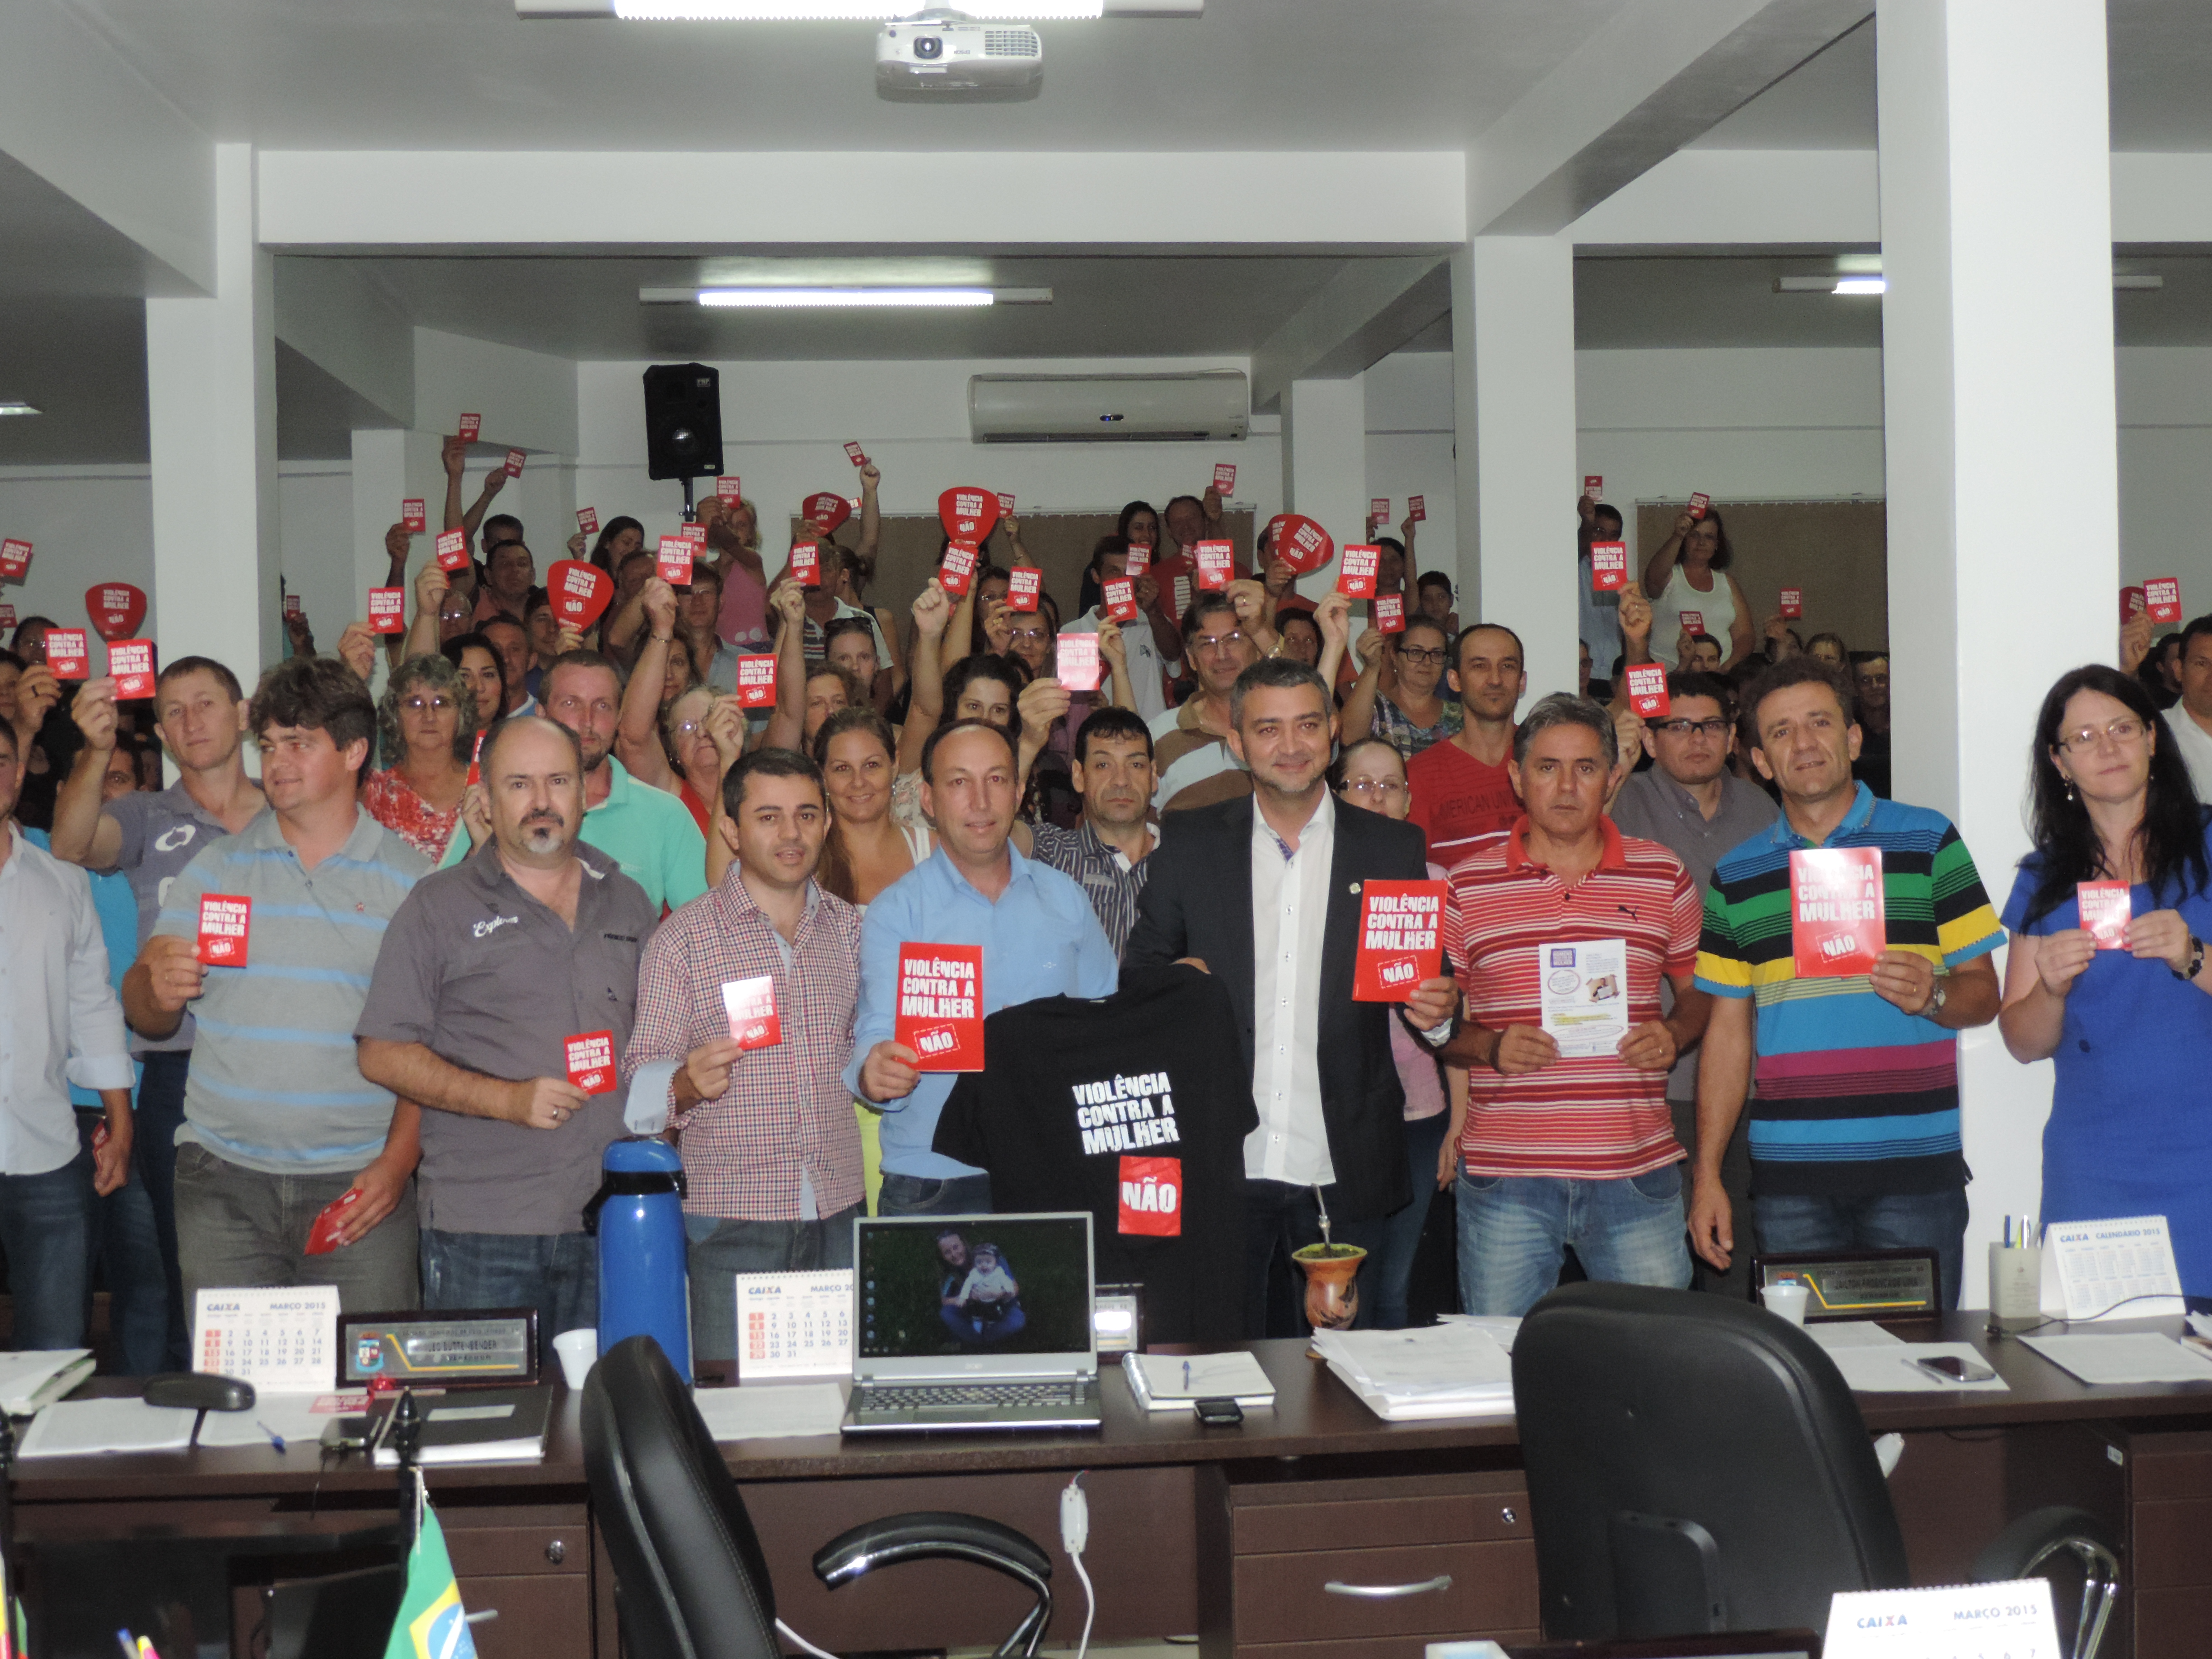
(1935, 1000)
(2196, 960)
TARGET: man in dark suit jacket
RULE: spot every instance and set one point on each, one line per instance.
(1265, 892)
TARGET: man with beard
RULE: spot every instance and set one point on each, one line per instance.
(487, 975)
(647, 832)
(1105, 854)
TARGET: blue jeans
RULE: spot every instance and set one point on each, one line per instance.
(46, 1228)
(123, 1242)
(557, 1273)
(718, 1249)
(906, 1194)
(1514, 1232)
(160, 1114)
(1391, 1268)
(1788, 1224)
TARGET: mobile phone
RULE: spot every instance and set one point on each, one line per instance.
(345, 1434)
(1220, 1413)
(1952, 1368)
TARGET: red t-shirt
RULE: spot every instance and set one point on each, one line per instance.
(1458, 799)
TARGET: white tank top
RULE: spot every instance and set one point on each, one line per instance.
(1718, 608)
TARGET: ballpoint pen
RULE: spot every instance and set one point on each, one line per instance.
(275, 1438)
(1186, 1377)
(130, 1647)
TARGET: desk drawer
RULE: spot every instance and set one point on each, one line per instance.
(1390, 1647)
(480, 1552)
(540, 1616)
(1375, 1523)
(1467, 1587)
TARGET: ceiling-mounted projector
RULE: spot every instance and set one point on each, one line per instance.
(944, 52)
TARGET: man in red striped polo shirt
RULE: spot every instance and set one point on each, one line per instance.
(1560, 932)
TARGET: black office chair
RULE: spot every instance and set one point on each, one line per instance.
(1697, 1464)
(690, 1582)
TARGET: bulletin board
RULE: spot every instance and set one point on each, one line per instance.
(1836, 551)
(1060, 543)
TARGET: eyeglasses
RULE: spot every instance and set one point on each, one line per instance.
(1229, 642)
(1421, 653)
(687, 729)
(1379, 788)
(417, 705)
(1031, 634)
(2123, 731)
(1711, 728)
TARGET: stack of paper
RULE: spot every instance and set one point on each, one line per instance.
(1170, 1383)
(2130, 1359)
(39, 1376)
(1445, 1370)
(771, 1411)
(80, 1428)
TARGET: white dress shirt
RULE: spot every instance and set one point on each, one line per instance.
(60, 1021)
(1289, 910)
(2195, 746)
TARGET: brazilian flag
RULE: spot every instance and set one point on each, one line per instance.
(431, 1624)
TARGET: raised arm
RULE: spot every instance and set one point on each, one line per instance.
(786, 727)
(637, 735)
(83, 834)
(1659, 569)
(927, 706)
(1358, 718)
(871, 517)
(726, 729)
(421, 639)
(1114, 652)
(1333, 616)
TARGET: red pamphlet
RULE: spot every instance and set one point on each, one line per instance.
(2131, 604)
(14, 558)
(131, 663)
(591, 1060)
(2107, 907)
(1793, 603)
(826, 510)
(1138, 559)
(1836, 926)
(387, 611)
(1608, 567)
(413, 515)
(291, 606)
(1299, 541)
(1121, 598)
(579, 592)
(806, 563)
(472, 425)
(672, 561)
(750, 1004)
(1390, 612)
(694, 532)
(1024, 583)
(1151, 1196)
(1401, 938)
(1355, 570)
(116, 609)
(1647, 690)
(2162, 596)
(968, 513)
(855, 453)
(587, 520)
(940, 1006)
(323, 1236)
(1593, 484)
(1378, 510)
(1694, 621)
(475, 756)
(1699, 503)
(1006, 503)
(726, 487)
(8, 613)
(69, 653)
(1217, 565)
(958, 572)
(1417, 509)
(226, 926)
(515, 458)
(1075, 661)
(453, 547)
(1224, 479)
(757, 682)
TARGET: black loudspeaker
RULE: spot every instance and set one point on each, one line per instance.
(683, 421)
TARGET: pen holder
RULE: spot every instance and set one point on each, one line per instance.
(2015, 1286)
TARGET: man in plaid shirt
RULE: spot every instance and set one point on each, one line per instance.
(771, 1149)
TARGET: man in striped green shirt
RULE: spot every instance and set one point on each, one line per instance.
(1854, 1130)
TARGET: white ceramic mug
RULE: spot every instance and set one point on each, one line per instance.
(579, 1349)
(1786, 1299)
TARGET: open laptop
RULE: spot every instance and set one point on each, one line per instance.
(973, 1322)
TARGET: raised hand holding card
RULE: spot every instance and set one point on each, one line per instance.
(587, 520)
(116, 609)
(69, 653)
(1608, 567)
(131, 663)
(826, 510)
(515, 458)
(1390, 612)
(2162, 597)
(387, 611)
(1217, 565)
(1378, 510)
(1593, 484)
(1357, 568)
(968, 513)
(1025, 587)
(1693, 622)
(672, 561)
(805, 565)
(1793, 602)
(414, 516)
(14, 559)
(1075, 661)
(470, 427)
(757, 682)
(1121, 594)
(958, 570)
(1300, 543)
(579, 592)
(1647, 690)
(853, 453)
(453, 547)
(1700, 503)
(1224, 479)
(1006, 503)
(729, 488)
(1417, 509)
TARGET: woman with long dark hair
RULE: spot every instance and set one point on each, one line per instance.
(1690, 573)
(2128, 1018)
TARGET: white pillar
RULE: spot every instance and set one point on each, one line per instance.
(380, 484)
(1513, 339)
(1997, 369)
(1325, 463)
(212, 419)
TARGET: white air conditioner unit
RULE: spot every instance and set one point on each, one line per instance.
(1213, 405)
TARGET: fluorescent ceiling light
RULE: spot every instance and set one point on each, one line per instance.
(864, 11)
(848, 298)
(2140, 281)
(1860, 285)
(1869, 282)
(17, 409)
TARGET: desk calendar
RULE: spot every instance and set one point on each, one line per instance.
(794, 1324)
(1952, 1621)
(282, 1341)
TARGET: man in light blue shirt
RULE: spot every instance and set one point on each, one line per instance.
(1039, 936)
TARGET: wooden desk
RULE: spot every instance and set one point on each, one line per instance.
(1225, 1532)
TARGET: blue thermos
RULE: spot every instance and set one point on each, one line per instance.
(638, 1214)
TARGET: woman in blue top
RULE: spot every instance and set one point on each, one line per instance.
(2129, 1026)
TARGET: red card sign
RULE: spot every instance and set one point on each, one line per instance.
(2105, 907)
(587, 520)
(955, 574)
(515, 458)
(1417, 509)
(1303, 543)
(1647, 690)
(69, 653)
(805, 565)
(2131, 604)
(1793, 602)
(673, 561)
(453, 546)
(131, 663)
(1356, 571)
(856, 455)
(1007, 503)
(1024, 585)
(1075, 661)
(475, 756)
(968, 513)
(2162, 595)
(292, 605)
(1608, 567)
(1217, 565)
(579, 592)
(591, 1059)
(1699, 503)
(412, 516)
(387, 611)
(1836, 915)
(1401, 938)
(1224, 479)
(1121, 598)
(116, 609)
(726, 487)
(695, 533)
(940, 1006)
(14, 558)
(1378, 510)
(471, 425)
(826, 510)
(1693, 622)
(1593, 484)
(1138, 559)
(1390, 612)
(8, 614)
(226, 924)
(1151, 1196)
(757, 682)
(750, 1004)
(323, 1236)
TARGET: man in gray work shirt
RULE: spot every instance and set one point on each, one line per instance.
(1692, 805)
(489, 973)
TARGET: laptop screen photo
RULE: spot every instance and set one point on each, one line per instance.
(974, 1287)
